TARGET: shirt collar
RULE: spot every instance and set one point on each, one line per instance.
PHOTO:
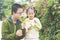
(17, 21)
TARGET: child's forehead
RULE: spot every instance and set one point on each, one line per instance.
(30, 11)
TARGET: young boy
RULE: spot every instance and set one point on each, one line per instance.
(11, 27)
(32, 25)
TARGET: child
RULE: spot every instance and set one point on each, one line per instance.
(32, 25)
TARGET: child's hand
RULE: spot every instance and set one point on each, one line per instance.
(29, 28)
(23, 25)
(35, 21)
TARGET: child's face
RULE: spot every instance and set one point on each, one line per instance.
(30, 14)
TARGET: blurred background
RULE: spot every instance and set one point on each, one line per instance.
(48, 11)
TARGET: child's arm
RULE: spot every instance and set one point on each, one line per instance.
(38, 24)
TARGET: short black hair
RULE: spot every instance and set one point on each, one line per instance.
(15, 7)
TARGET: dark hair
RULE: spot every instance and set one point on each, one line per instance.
(15, 7)
(35, 11)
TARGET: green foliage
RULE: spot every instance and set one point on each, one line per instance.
(7, 7)
(50, 21)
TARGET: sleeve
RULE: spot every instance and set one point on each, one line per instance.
(5, 31)
(38, 24)
(23, 33)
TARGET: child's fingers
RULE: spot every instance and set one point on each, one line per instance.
(29, 28)
(23, 25)
(35, 21)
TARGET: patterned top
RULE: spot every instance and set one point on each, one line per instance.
(32, 28)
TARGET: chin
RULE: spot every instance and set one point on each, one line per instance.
(30, 18)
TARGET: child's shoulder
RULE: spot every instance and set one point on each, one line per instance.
(36, 18)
